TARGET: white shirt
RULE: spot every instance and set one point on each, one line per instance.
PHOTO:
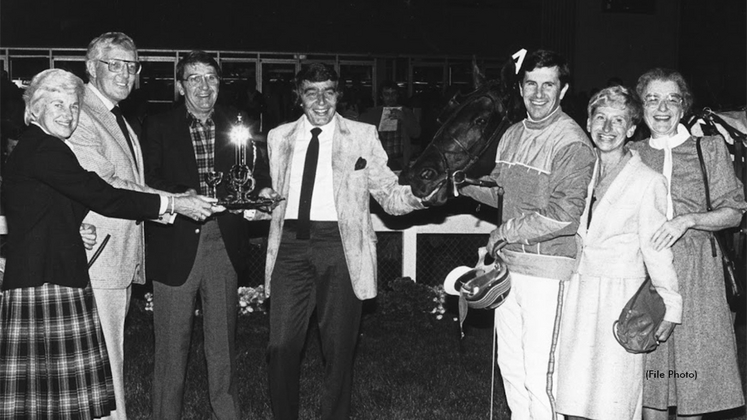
(323, 199)
(109, 104)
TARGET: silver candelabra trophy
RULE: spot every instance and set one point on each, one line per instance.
(213, 178)
(240, 177)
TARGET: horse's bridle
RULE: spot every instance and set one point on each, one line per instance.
(459, 177)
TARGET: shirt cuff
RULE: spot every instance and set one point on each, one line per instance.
(164, 204)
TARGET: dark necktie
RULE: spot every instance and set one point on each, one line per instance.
(307, 185)
(121, 122)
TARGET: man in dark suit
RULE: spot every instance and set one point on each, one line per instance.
(322, 247)
(181, 147)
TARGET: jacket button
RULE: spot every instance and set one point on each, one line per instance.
(197, 230)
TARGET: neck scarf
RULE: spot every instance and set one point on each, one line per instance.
(667, 144)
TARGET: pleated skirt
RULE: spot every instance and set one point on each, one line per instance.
(53, 359)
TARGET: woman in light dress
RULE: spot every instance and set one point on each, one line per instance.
(626, 204)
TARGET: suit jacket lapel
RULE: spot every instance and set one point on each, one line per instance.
(285, 157)
(183, 141)
(613, 195)
(100, 112)
(342, 144)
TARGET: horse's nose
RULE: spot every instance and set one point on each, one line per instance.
(428, 174)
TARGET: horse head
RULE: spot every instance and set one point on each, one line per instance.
(465, 144)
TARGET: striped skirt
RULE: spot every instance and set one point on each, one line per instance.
(53, 360)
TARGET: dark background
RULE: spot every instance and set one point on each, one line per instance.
(706, 40)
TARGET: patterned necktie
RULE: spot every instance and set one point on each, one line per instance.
(307, 185)
(123, 126)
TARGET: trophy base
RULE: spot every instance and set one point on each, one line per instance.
(248, 204)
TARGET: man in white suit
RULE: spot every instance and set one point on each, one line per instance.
(111, 149)
(321, 252)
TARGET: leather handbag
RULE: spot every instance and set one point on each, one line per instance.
(733, 285)
(636, 327)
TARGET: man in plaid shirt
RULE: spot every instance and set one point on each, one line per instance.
(181, 147)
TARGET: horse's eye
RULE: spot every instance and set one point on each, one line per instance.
(428, 174)
(481, 121)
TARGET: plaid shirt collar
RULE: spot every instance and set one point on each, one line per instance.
(203, 143)
(194, 120)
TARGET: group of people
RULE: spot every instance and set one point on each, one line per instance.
(81, 173)
(582, 228)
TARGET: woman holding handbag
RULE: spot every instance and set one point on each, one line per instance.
(702, 355)
(597, 377)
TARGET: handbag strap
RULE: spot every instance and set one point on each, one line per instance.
(703, 171)
(707, 190)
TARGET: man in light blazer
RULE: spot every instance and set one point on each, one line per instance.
(322, 248)
(102, 145)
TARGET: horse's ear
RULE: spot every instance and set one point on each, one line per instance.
(508, 73)
(478, 78)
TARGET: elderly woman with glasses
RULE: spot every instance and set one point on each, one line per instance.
(699, 364)
(53, 360)
(626, 204)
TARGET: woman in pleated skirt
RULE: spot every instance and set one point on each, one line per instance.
(53, 359)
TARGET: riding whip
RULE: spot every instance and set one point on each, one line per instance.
(96, 254)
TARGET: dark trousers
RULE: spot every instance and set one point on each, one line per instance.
(214, 278)
(312, 274)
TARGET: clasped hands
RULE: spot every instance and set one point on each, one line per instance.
(196, 207)
(189, 204)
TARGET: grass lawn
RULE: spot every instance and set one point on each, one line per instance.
(409, 365)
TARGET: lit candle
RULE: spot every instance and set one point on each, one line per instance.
(242, 150)
(254, 153)
(236, 151)
(239, 135)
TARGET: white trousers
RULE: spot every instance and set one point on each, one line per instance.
(112, 306)
(524, 327)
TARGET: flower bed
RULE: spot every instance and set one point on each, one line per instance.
(401, 295)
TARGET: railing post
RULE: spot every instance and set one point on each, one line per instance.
(410, 252)
(461, 224)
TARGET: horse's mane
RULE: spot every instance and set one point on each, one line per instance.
(506, 89)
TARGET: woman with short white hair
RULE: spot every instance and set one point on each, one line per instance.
(626, 204)
(53, 360)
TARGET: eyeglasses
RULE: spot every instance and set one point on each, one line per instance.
(116, 66)
(196, 79)
(653, 101)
